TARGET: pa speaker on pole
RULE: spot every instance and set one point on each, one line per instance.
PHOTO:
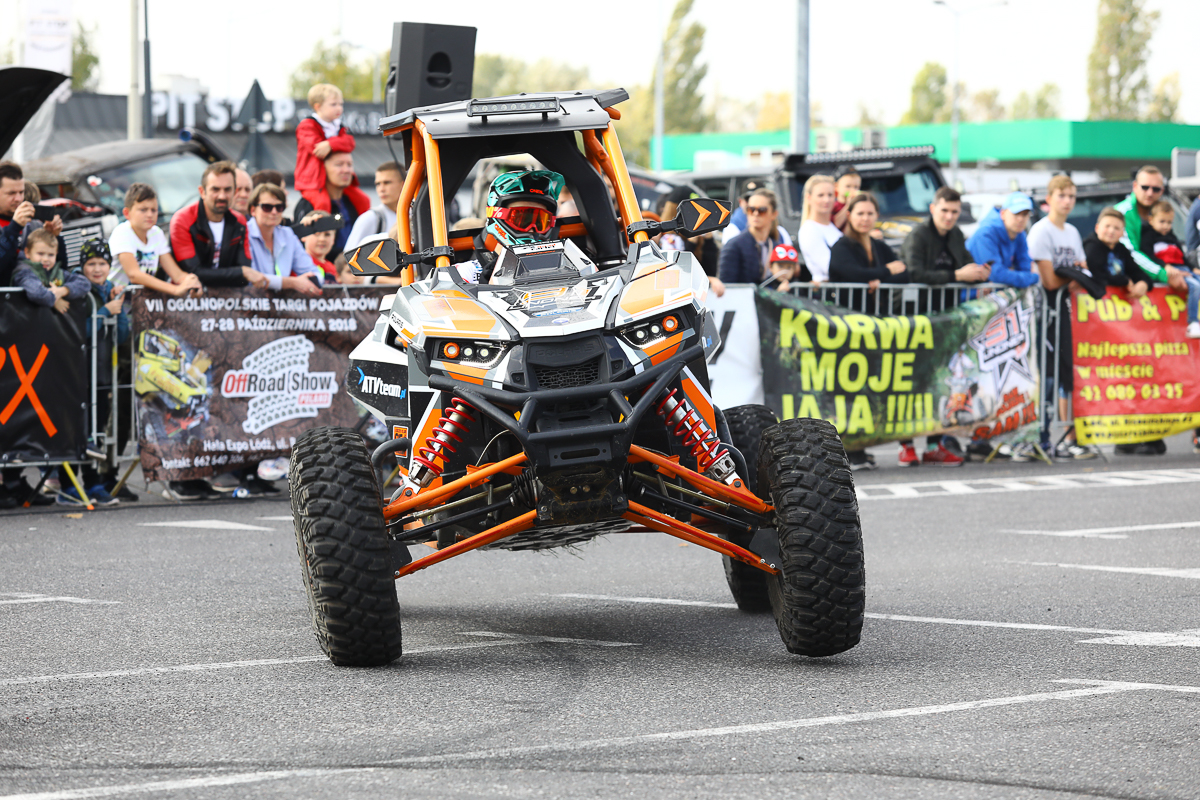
(430, 64)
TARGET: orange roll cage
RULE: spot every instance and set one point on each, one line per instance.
(606, 157)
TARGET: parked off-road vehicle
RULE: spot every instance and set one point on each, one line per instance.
(562, 397)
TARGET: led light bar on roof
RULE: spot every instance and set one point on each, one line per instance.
(486, 108)
(877, 153)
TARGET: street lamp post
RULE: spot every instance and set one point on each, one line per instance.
(800, 106)
(133, 117)
(954, 115)
(657, 160)
(147, 113)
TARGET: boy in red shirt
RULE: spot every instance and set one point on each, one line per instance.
(317, 137)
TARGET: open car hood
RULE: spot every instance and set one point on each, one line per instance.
(22, 92)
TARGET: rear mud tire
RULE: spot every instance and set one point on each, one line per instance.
(747, 584)
(819, 597)
(345, 556)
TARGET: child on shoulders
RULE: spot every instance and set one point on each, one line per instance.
(317, 137)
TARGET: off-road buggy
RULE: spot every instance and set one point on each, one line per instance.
(563, 398)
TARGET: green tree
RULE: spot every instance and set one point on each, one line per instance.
(497, 76)
(929, 99)
(1164, 105)
(684, 108)
(683, 105)
(986, 106)
(1042, 104)
(85, 63)
(1118, 86)
(868, 118)
(774, 112)
(333, 64)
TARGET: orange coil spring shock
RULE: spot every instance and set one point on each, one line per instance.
(438, 444)
(687, 424)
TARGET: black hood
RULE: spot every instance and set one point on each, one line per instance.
(22, 92)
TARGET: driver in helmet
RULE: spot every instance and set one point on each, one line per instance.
(520, 210)
(521, 206)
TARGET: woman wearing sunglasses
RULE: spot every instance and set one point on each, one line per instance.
(275, 251)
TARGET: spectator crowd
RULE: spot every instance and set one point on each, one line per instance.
(236, 234)
(1131, 247)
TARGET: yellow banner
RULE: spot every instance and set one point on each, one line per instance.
(1130, 428)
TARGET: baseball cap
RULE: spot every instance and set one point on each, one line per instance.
(784, 252)
(1016, 202)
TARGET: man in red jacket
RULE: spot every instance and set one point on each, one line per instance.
(208, 238)
(340, 196)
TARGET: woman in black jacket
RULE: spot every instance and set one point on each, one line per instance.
(859, 258)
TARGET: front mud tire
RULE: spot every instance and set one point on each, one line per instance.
(747, 584)
(345, 556)
(819, 598)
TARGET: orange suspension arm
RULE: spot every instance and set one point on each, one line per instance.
(428, 498)
(501, 531)
(738, 495)
(661, 522)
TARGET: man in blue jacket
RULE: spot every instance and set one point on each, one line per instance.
(1000, 241)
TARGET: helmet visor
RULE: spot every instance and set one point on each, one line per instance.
(526, 219)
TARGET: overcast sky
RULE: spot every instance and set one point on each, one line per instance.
(863, 51)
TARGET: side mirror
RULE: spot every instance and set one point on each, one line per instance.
(695, 217)
(381, 257)
(702, 215)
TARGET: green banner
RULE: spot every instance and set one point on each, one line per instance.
(970, 371)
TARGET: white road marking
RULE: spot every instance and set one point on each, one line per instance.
(1161, 572)
(21, 598)
(1188, 638)
(1099, 688)
(1133, 638)
(207, 524)
(179, 785)
(665, 601)
(1093, 688)
(501, 640)
(1086, 480)
(1182, 639)
(519, 638)
(283, 518)
(979, 623)
(1070, 534)
(1110, 533)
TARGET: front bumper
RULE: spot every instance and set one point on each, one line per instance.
(599, 430)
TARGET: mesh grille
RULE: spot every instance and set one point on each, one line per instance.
(568, 377)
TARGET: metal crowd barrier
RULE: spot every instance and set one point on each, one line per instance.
(107, 430)
(1054, 334)
(893, 300)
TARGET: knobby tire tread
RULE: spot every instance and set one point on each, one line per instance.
(345, 556)
(819, 598)
(747, 584)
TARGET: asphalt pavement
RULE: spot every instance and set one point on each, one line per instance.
(1032, 632)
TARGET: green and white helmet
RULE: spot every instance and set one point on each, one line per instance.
(511, 226)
